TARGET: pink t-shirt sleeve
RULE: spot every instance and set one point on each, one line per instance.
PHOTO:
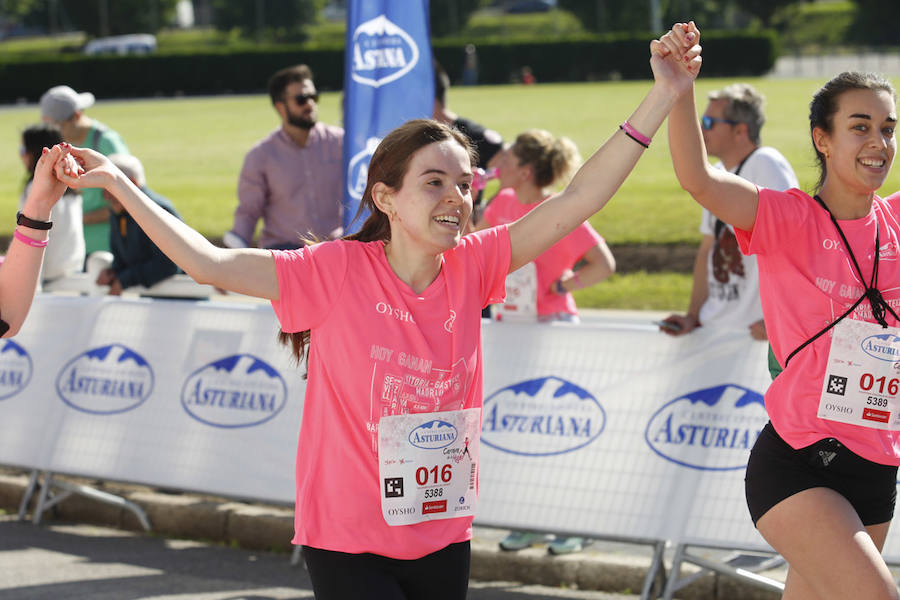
(778, 217)
(492, 253)
(309, 281)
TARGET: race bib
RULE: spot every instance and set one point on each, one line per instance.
(521, 295)
(862, 376)
(428, 465)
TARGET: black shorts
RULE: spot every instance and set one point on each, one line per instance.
(441, 575)
(776, 471)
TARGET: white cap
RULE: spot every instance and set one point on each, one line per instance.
(61, 102)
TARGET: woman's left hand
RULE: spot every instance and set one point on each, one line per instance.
(675, 57)
(46, 189)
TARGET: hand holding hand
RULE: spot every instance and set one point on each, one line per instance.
(675, 57)
(45, 189)
(85, 168)
(681, 324)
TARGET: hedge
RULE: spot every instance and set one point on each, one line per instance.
(224, 71)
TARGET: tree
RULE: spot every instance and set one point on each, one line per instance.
(873, 25)
(117, 17)
(447, 17)
(277, 19)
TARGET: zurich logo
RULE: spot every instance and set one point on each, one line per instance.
(883, 346)
(358, 169)
(382, 52)
(711, 429)
(106, 380)
(541, 417)
(15, 369)
(433, 435)
(236, 391)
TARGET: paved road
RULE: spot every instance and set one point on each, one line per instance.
(85, 561)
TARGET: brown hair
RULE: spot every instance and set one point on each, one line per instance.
(552, 159)
(279, 81)
(825, 104)
(389, 165)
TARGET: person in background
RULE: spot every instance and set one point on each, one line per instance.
(136, 259)
(725, 291)
(64, 254)
(488, 143)
(64, 107)
(536, 163)
(292, 179)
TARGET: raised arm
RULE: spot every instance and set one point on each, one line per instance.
(22, 266)
(729, 197)
(247, 271)
(603, 173)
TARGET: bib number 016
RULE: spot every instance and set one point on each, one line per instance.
(443, 474)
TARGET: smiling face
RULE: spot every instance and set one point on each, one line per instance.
(860, 148)
(427, 213)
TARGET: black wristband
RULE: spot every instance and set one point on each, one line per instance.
(23, 220)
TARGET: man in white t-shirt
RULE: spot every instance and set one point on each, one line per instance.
(726, 287)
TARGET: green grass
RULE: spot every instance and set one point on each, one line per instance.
(193, 149)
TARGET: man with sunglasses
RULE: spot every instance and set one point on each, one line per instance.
(725, 290)
(293, 178)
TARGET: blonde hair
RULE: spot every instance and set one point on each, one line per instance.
(553, 159)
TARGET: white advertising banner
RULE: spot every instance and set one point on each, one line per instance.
(608, 428)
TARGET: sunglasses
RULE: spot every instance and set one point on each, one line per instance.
(302, 99)
(710, 122)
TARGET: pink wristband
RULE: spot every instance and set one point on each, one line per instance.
(636, 135)
(29, 241)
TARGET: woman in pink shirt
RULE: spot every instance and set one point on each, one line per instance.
(389, 320)
(821, 478)
(527, 170)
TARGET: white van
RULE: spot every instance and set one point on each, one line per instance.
(135, 43)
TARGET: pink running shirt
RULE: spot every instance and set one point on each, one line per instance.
(378, 348)
(807, 280)
(506, 208)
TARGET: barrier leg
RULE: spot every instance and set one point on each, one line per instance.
(43, 498)
(105, 497)
(740, 573)
(29, 492)
(674, 573)
(656, 574)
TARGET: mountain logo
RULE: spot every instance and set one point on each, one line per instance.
(433, 435)
(711, 429)
(382, 52)
(105, 380)
(15, 368)
(541, 417)
(235, 391)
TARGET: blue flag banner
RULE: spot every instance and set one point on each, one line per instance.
(388, 80)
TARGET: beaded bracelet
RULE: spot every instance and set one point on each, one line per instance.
(29, 241)
(634, 134)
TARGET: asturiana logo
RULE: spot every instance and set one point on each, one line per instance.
(236, 391)
(358, 169)
(884, 346)
(382, 52)
(106, 380)
(433, 435)
(541, 417)
(711, 429)
(15, 369)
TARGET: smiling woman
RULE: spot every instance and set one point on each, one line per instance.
(389, 320)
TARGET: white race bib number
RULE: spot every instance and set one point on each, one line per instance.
(428, 465)
(862, 376)
(521, 295)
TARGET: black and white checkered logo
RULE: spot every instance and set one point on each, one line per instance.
(393, 487)
(837, 385)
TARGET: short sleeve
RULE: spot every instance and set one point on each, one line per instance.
(491, 252)
(111, 143)
(778, 216)
(309, 282)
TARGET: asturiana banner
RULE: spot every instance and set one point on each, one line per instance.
(388, 80)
